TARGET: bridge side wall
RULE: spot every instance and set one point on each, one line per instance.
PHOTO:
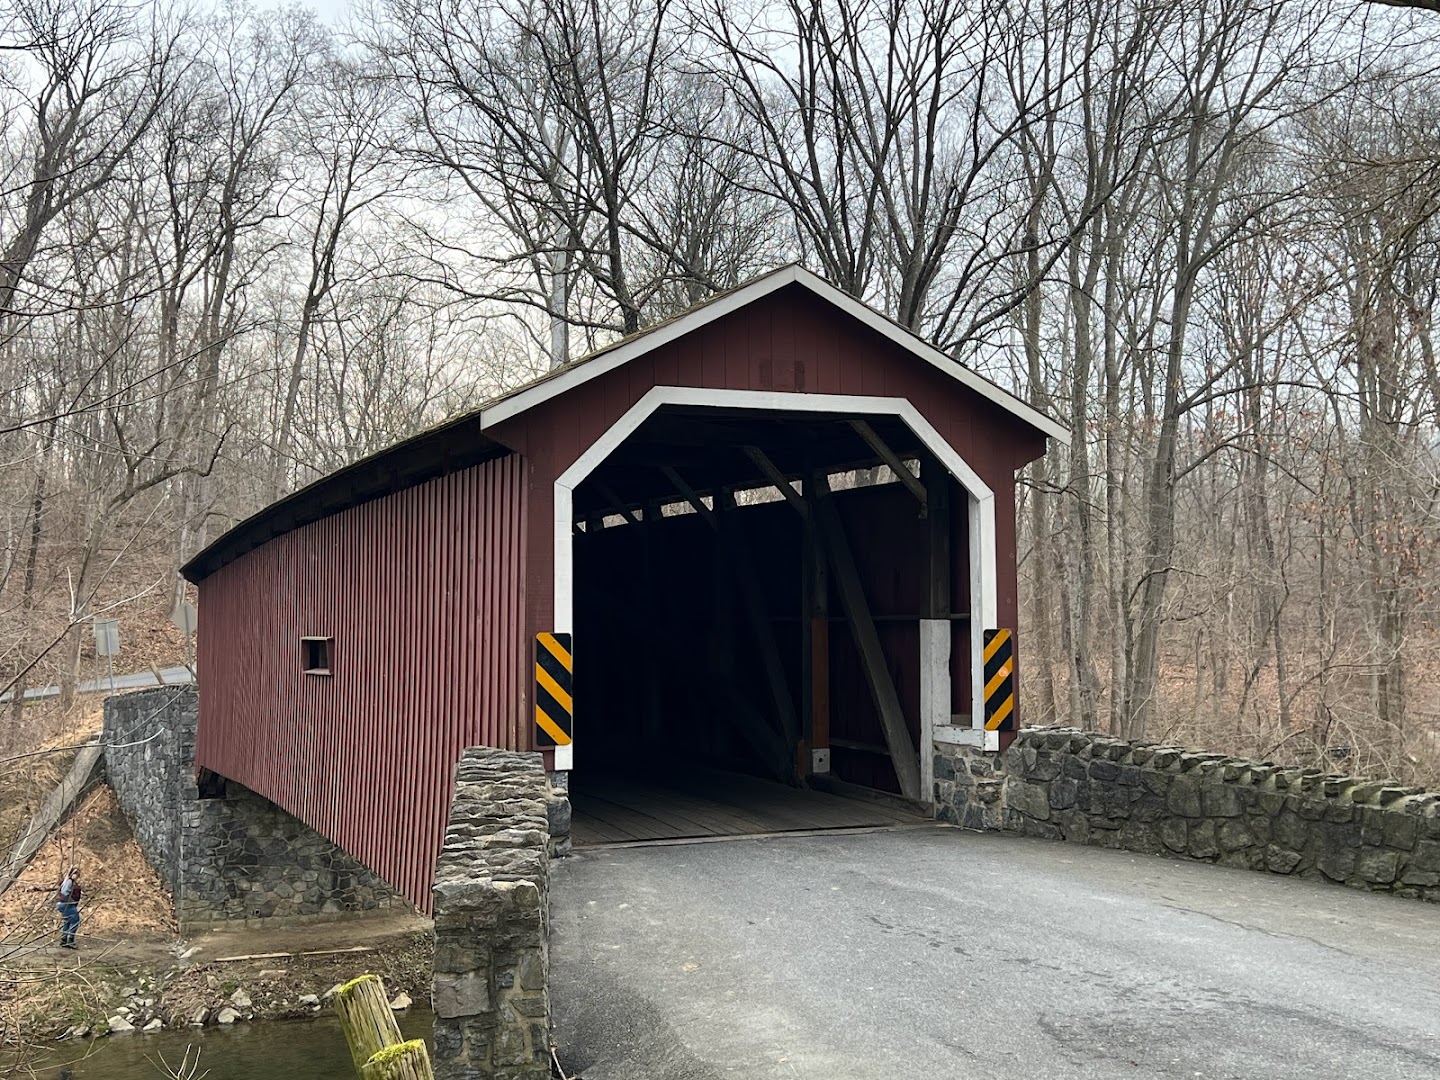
(233, 858)
(421, 595)
(1163, 800)
(492, 921)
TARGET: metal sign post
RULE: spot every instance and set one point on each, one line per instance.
(107, 644)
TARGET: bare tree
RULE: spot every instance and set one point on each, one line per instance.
(347, 151)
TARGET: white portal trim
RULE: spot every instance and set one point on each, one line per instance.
(983, 562)
(582, 371)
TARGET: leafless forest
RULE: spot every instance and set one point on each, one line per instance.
(242, 246)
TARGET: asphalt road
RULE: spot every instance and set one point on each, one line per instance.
(946, 955)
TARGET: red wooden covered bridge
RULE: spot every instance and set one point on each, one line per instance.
(772, 530)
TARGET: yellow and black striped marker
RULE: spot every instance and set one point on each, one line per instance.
(999, 680)
(554, 687)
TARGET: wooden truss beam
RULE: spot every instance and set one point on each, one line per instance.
(696, 503)
(776, 477)
(618, 504)
(867, 641)
(892, 459)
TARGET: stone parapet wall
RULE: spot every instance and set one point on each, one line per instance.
(1164, 800)
(237, 857)
(492, 1005)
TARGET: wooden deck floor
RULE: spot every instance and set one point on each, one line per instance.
(610, 809)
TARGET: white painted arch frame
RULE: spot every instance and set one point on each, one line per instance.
(981, 510)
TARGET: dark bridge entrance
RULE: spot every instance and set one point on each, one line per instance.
(749, 590)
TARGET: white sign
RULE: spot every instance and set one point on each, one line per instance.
(184, 618)
(107, 637)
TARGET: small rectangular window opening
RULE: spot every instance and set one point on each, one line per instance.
(315, 652)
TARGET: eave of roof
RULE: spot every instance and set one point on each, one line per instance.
(460, 441)
(457, 443)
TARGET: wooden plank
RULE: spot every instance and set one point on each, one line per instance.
(589, 810)
(291, 956)
(634, 826)
(584, 831)
(782, 807)
(731, 805)
(867, 642)
(695, 818)
(764, 802)
(725, 817)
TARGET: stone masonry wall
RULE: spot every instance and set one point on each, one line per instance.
(1164, 800)
(492, 1005)
(149, 736)
(238, 857)
(245, 858)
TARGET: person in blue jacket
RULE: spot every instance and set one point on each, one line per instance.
(68, 905)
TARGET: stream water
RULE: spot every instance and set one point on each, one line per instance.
(264, 1050)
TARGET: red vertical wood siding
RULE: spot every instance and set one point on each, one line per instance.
(422, 592)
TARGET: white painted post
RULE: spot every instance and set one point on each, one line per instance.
(934, 696)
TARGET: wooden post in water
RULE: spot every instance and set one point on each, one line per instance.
(404, 1061)
(367, 1020)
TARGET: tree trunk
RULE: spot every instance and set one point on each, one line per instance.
(27, 595)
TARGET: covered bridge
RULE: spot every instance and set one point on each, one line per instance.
(770, 530)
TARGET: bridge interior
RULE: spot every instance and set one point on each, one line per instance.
(722, 621)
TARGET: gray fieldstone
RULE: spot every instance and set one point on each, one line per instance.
(1183, 798)
(1032, 800)
(1064, 793)
(1280, 860)
(1380, 867)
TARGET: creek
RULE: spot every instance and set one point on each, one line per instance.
(261, 1050)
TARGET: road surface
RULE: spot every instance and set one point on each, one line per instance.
(944, 955)
(172, 676)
